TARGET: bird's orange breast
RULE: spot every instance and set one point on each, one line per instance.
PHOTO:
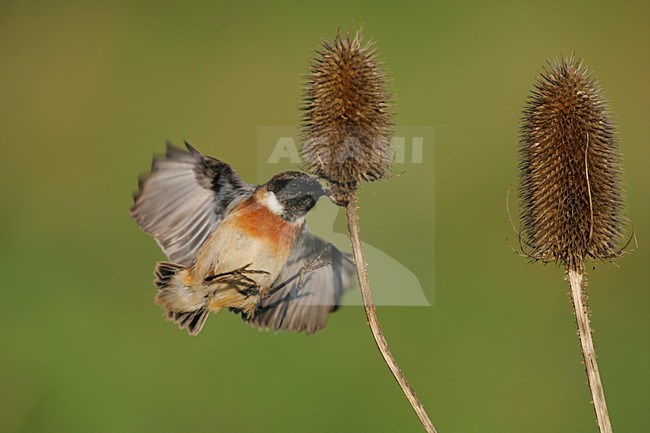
(254, 219)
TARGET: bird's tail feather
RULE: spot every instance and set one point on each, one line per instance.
(164, 273)
(183, 306)
(193, 321)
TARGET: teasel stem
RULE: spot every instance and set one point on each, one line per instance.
(371, 315)
(579, 297)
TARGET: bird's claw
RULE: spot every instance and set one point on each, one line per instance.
(239, 279)
(240, 272)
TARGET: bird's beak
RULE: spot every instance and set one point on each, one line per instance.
(318, 192)
(315, 190)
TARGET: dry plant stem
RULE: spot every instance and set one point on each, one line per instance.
(578, 295)
(371, 315)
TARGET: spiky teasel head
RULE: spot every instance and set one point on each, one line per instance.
(346, 125)
(570, 169)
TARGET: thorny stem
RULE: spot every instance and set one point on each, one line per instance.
(579, 297)
(371, 315)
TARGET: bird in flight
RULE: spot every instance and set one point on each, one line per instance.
(235, 245)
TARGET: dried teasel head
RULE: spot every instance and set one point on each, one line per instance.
(347, 124)
(570, 169)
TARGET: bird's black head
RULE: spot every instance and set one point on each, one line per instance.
(293, 194)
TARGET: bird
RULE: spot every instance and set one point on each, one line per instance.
(232, 244)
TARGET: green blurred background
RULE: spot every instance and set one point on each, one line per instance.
(91, 89)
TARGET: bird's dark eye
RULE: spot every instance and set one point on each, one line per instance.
(309, 201)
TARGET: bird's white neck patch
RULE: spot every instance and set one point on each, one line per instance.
(271, 201)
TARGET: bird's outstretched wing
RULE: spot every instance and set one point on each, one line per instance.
(309, 287)
(184, 198)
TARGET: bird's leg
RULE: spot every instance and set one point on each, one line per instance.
(240, 272)
(239, 280)
(311, 266)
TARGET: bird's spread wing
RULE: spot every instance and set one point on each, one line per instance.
(184, 198)
(309, 287)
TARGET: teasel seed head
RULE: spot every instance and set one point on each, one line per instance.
(346, 125)
(570, 169)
